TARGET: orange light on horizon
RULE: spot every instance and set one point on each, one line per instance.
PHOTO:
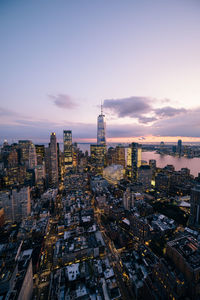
(144, 139)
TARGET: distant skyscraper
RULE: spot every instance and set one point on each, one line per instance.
(195, 206)
(32, 156)
(162, 146)
(179, 147)
(67, 140)
(101, 129)
(53, 170)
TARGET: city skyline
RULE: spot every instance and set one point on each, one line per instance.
(140, 59)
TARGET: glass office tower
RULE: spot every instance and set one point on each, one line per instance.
(101, 129)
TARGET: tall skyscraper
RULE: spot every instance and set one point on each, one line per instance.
(68, 157)
(179, 147)
(128, 163)
(53, 170)
(101, 129)
(134, 156)
(195, 206)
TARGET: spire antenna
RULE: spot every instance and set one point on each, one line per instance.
(101, 108)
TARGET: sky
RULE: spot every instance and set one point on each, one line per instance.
(59, 60)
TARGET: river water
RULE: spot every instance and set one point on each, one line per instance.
(178, 162)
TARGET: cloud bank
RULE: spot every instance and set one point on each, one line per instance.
(141, 108)
(63, 101)
(146, 120)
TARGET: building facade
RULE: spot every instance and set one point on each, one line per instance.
(53, 170)
(120, 156)
(16, 204)
(145, 176)
(32, 156)
(98, 156)
(179, 147)
(195, 206)
(68, 155)
(134, 157)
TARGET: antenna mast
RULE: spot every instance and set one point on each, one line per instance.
(101, 108)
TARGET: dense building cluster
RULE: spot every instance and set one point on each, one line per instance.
(105, 225)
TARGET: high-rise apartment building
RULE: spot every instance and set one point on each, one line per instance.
(101, 129)
(53, 167)
(134, 157)
(120, 156)
(128, 163)
(195, 206)
(68, 155)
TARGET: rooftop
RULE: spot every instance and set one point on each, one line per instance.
(188, 248)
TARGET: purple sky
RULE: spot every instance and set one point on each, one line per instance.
(60, 59)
